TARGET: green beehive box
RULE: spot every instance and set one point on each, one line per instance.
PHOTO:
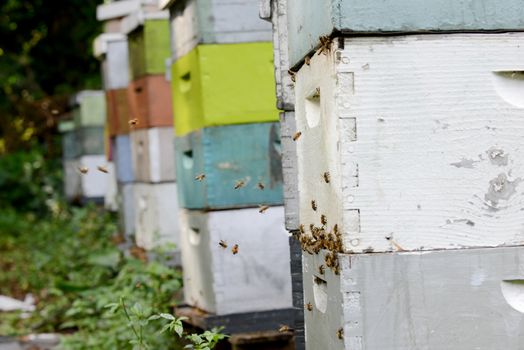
(148, 46)
(89, 108)
(223, 84)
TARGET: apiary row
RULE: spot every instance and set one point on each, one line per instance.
(403, 182)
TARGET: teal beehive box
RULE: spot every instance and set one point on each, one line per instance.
(89, 108)
(245, 156)
(69, 139)
(307, 20)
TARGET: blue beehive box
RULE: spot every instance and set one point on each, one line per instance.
(122, 159)
(247, 154)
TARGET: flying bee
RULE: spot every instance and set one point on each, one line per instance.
(314, 205)
(325, 44)
(133, 122)
(340, 333)
(292, 74)
(323, 219)
(83, 169)
(284, 328)
(307, 60)
(263, 208)
(309, 307)
(223, 244)
(102, 169)
(301, 229)
(297, 135)
(240, 184)
(327, 178)
(234, 250)
(261, 186)
(321, 269)
(200, 177)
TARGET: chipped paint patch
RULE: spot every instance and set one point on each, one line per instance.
(465, 163)
(501, 188)
(497, 156)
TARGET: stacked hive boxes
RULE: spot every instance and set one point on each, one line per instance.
(83, 148)
(228, 159)
(151, 133)
(112, 49)
(275, 11)
(409, 150)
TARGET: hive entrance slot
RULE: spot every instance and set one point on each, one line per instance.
(187, 159)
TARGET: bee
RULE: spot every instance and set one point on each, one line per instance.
(301, 229)
(323, 219)
(336, 270)
(292, 74)
(340, 333)
(307, 60)
(55, 112)
(335, 230)
(284, 328)
(102, 169)
(83, 170)
(133, 122)
(297, 135)
(261, 186)
(263, 208)
(317, 93)
(327, 178)
(314, 205)
(240, 184)
(325, 44)
(309, 307)
(223, 244)
(200, 177)
(234, 250)
(321, 269)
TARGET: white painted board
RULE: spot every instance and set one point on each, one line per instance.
(111, 197)
(422, 138)
(257, 278)
(126, 208)
(461, 299)
(156, 219)
(112, 49)
(153, 154)
(93, 184)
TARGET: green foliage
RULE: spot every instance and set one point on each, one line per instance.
(29, 182)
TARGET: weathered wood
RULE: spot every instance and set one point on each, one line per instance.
(156, 222)
(230, 156)
(257, 278)
(421, 137)
(215, 22)
(213, 85)
(153, 155)
(118, 111)
(310, 19)
(150, 101)
(460, 299)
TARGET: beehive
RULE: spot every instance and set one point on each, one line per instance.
(150, 102)
(152, 154)
(126, 208)
(118, 111)
(89, 108)
(123, 159)
(93, 184)
(112, 50)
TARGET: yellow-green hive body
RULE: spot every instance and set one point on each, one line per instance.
(223, 84)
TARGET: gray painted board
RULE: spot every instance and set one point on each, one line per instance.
(289, 170)
(310, 19)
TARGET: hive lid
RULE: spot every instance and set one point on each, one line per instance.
(101, 42)
(137, 19)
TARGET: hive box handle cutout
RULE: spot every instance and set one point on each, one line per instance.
(312, 108)
(320, 293)
(185, 83)
(187, 160)
(510, 86)
(513, 292)
(194, 236)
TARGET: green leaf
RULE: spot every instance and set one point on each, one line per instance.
(167, 316)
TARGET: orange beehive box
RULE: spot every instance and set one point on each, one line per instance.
(150, 101)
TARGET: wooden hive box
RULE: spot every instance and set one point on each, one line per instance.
(150, 102)
(420, 136)
(148, 42)
(152, 154)
(156, 222)
(89, 108)
(195, 22)
(112, 50)
(249, 153)
(213, 85)
(257, 278)
(118, 111)
(430, 300)
(309, 20)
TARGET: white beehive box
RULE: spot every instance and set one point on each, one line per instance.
(126, 208)
(214, 22)
(156, 219)
(112, 49)
(111, 197)
(277, 15)
(257, 278)
(460, 299)
(71, 179)
(153, 155)
(421, 136)
(93, 184)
